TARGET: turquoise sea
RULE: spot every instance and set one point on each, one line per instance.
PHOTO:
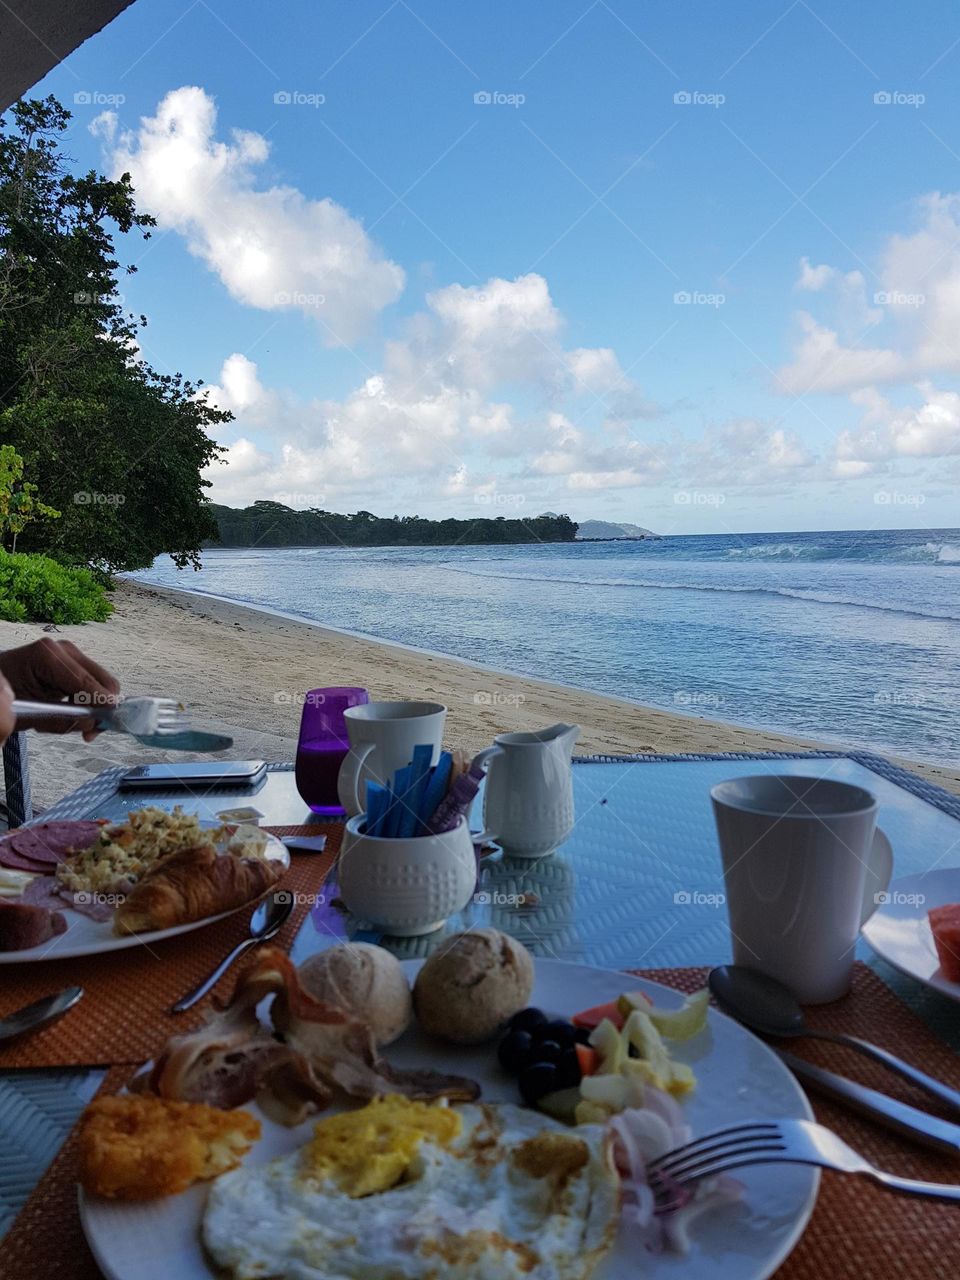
(851, 636)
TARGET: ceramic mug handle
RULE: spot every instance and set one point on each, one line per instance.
(483, 760)
(348, 780)
(879, 872)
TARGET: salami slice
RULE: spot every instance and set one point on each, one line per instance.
(51, 842)
(17, 862)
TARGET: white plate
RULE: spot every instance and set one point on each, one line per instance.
(739, 1079)
(899, 930)
(86, 937)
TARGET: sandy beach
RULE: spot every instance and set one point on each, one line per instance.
(243, 672)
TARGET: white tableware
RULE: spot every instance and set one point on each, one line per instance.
(406, 886)
(86, 937)
(382, 738)
(804, 866)
(900, 931)
(528, 798)
(740, 1079)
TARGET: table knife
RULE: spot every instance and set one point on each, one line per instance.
(909, 1122)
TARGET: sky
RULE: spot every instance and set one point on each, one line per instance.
(687, 265)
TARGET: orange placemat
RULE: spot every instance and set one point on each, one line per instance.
(123, 1017)
(857, 1232)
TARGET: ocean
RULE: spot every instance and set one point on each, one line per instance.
(851, 637)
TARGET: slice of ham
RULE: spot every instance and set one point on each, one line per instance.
(17, 862)
(47, 891)
(23, 926)
(321, 1049)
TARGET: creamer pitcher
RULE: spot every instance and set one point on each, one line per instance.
(528, 800)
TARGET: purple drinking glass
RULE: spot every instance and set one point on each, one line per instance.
(322, 745)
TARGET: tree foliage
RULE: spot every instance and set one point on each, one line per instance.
(18, 504)
(271, 524)
(116, 446)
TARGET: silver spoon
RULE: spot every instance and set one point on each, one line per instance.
(267, 921)
(38, 1014)
(770, 1008)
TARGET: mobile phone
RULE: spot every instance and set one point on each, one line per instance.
(216, 773)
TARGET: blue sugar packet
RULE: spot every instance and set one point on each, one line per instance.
(391, 821)
(436, 787)
(412, 796)
(378, 798)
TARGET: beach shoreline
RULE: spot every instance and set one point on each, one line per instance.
(243, 669)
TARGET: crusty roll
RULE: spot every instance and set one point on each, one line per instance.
(191, 885)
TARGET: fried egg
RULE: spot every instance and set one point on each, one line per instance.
(479, 1192)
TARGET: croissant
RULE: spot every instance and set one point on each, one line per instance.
(191, 885)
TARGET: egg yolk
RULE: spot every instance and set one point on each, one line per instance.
(372, 1149)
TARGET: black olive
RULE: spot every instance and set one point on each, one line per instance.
(583, 1034)
(568, 1070)
(547, 1050)
(527, 1020)
(514, 1051)
(538, 1080)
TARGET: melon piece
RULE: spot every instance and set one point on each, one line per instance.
(945, 927)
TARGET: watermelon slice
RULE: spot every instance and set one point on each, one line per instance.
(945, 927)
(591, 1018)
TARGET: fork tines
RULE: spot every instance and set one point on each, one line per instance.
(712, 1154)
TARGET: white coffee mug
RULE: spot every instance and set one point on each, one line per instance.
(804, 866)
(382, 738)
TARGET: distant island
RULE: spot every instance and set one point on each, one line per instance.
(605, 531)
(271, 524)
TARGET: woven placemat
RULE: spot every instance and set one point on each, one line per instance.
(857, 1232)
(123, 1017)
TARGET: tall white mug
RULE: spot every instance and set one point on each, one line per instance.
(805, 867)
(382, 738)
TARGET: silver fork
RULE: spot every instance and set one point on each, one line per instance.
(137, 716)
(771, 1142)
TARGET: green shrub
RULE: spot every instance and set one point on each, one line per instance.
(38, 589)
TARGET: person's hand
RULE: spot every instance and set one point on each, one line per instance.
(57, 671)
(8, 720)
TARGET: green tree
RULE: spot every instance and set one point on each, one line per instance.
(18, 506)
(118, 447)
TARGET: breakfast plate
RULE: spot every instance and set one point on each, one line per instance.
(899, 931)
(739, 1079)
(84, 936)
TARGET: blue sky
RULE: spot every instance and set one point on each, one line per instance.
(415, 301)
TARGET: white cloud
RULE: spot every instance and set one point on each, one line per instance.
(587, 461)
(272, 247)
(822, 363)
(746, 452)
(887, 432)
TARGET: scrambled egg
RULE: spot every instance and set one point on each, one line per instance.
(372, 1149)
